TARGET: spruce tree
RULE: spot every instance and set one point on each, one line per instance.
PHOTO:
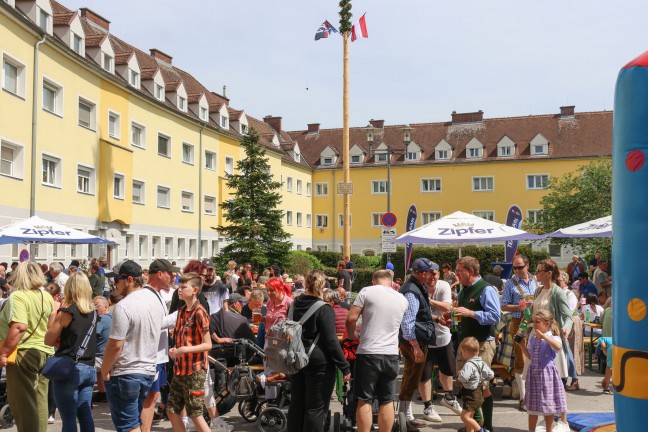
(254, 221)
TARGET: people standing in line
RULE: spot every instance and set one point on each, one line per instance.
(312, 386)
(545, 395)
(103, 334)
(381, 310)
(472, 376)
(129, 363)
(74, 320)
(441, 353)
(23, 325)
(479, 309)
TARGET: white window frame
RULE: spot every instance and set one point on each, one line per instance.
(298, 220)
(159, 91)
(328, 160)
(505, 151)
(17, 162)
(190, 196)
(191, 158)
(141, 134)
(309, 220)
(482, 213)
(116, 133)
(57, 169)
(224, 122)
(382, 156)
(91, 179)
(412, 156)
(376, 219)
(321, 189)
(213, 159)
(289, 184)
(142, 199)
(341, 220)
(289, 218)
(481, 187)
(229, 165)
(167, 190)
(209, 210)
(544, 152)
(442, 154)
(534, 215)
(533, 178)
(319, 218)
(353, 159)
(57, 90)
(429, 181)
(107, 62)
(168, 247)
(182, 103)
(92, 123)
(299, 187)
(41, 16)
(76, 43)
(430, 216)
(474, 152)
(309, 189)
(377, 186)
(203, 113)
(142, 246)
(119, 185)
(134, 78)
(168, 145)
(20, 75)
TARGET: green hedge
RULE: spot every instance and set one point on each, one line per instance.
(330, 259)
(484, 254)
(300, 262)
(363, 277)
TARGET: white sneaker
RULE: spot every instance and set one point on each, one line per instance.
(50, 420)
(188, 424)
(515, 390)
(560, 426)
(451, 405)
(431, 415)
(221, 426)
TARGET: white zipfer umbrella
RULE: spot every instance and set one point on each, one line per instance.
(37, 230)
(601, 227)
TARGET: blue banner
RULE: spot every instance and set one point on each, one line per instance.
(514, 219)
(410, 224)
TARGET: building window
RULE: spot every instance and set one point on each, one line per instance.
(299, 187)
(355, 159)
(309, 219)
(187, 153)
(43, 20)
(168, 247)
(210, 161)
(341, 220)
(412, 156)
(52, 97)
(376, 219)
(475, 152)
(187, 201)
(141, 246)
(505, 151)
(322, 248)
(118, 186)
(182, 103)
(181, 248)
(224, 122)
(442, 154)
(114, 125)
(428, 217)
(431, 185)
(308, 189)
(244, 129)
(85, 180)
(204, 114)
(299, 219)
(378, 187)
(481, 184)
(108, 62)
(539, 149)
(327, 161)
(138, 135)
(11, 159)
(297, 157)
(51, 171)
(155, 246)
(13, 73)
(77, 44)
(163, 197)
(210, 205)
(321, 221)
(159, 92)
(138, 192)
(87, 114)
(538, 181)
(555, 250)
(321, 189)
(381, 157)
(485, 214)
(134, 78)
(289, 215)
(164, 145)
(229, 165)
(534, 216)
(289, 184)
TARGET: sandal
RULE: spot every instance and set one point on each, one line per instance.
(607, 391)
(573, 387)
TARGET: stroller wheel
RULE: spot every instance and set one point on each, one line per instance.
(6, 418)
(337, 422)
(272, 420)
(248, 409)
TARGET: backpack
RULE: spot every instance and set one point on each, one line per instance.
(284, 348)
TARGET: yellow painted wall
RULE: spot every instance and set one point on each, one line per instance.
(293, 201)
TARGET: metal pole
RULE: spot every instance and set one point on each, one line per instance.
(345, 147)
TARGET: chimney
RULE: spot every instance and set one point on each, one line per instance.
(224, 91)
(159, 55)
(378, 124)
(274, 122)
(313, 128)
(473, 117)
(95, 18)
(567, 111)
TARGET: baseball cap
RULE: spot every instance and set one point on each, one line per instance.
(424, 265)
(234, 298)
(162, 265)
(208, 262)
(126, 268)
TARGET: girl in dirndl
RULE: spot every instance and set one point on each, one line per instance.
(545, 393)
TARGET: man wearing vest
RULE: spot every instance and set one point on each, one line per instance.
(412, 350)
(479, 309)
(521, 286)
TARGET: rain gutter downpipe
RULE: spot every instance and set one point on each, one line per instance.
(32, 194)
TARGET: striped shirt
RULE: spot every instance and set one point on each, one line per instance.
(189, 330)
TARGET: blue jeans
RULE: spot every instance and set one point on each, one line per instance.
(74, 399)
(126, 394)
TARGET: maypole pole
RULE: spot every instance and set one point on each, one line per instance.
(345, 29)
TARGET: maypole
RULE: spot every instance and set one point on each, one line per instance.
(345, 29)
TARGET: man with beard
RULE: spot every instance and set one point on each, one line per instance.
(214, 290)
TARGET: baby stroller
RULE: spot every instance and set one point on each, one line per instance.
(6, 418)
(346, 422)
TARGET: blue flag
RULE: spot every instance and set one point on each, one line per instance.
(410, 224)
(325, 29)
(514, 219)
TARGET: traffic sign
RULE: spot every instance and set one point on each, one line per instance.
(345, 189)
(24, 255)
(388, 219)
(388, 234)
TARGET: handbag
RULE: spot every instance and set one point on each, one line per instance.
(62, 367)
(11, 357)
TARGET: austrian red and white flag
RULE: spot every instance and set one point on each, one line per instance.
(359, 29)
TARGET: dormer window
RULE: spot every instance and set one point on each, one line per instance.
(475, 153)
(159, 92)
(297, 157)
(412, 156)
(244, 129)
(506, 147)
(381, 157)
(356, 159)
(77, 44)
(182, 103)
(474, 149)
(539, 146)
(327, 161)
(108, 62)
(505, 151)
(134, 78)
(224, 122)
(442, 154)
(204, 114)
(43, 20)
(443, 151)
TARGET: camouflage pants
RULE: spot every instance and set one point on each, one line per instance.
(187, 391)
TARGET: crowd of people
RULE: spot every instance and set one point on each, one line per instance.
(140, 337)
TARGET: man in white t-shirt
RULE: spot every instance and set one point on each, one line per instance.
(381, 310)
(441, 353)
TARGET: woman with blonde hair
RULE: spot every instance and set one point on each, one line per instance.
(23, 324)
(76, 318)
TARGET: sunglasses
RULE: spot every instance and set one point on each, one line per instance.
(518, 267)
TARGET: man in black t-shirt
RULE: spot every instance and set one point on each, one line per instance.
(348, 265)
(343, 276)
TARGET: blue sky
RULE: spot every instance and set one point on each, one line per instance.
(423, 58)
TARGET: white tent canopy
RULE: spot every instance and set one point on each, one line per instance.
(460, 227)
(601, 227)
(37, 230)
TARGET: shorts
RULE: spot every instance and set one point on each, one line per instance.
(126, 394)
(374, 377)
(472, 399)
(160, 378)
(486, 353)
(187, 391)
(443, 357)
